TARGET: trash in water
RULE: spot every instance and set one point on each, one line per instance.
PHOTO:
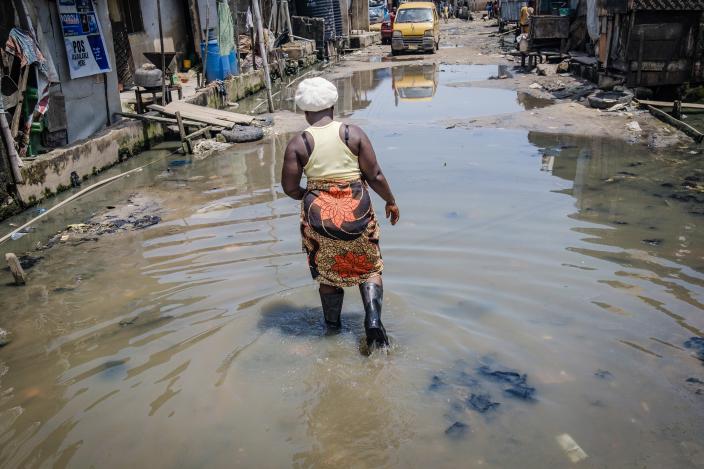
(695, 380)
(5, 337)
(205, 147)
(633, 126)
(696, 344)
(17, 235)
(653, 242)
(481, 402)
(507, 376)
(75, 179)
(519, 387)
(40, 210)
(574, 452)
(465, 379)
(457, 429)
(177, 163)
(521, 391)
(603, 374)
(436, 383)
(468, 388)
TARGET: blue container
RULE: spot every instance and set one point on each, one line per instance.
(225, 65)
(234, 69)
(214, 70)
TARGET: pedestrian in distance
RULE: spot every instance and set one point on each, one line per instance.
(339, 228)
(524, 16)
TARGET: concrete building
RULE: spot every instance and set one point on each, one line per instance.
(135, 30)
(78, 107)
(81, 102)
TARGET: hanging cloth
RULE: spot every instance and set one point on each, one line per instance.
(593, 19)
(226, 29)
(248, 21)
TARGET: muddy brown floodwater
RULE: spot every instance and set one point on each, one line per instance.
(199, 342)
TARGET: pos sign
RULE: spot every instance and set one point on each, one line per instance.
(83, 38)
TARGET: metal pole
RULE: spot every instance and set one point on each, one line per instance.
(262, 51)
(205, 58)
(288, 19)
(163, 58)
(235, 17)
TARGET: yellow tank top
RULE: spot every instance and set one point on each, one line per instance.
(331, 158)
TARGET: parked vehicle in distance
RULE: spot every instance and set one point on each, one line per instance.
(416, 28)
(377, 14)
(387, 28)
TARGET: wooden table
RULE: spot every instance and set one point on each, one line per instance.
(140, 90)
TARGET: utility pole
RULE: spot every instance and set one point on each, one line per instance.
(262, 51)
(163, 58)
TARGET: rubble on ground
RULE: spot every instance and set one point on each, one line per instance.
(138, 213)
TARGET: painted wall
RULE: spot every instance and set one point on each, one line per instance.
(88, 99)
(174, 23)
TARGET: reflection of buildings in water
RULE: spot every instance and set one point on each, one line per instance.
(528, 101)
(414, 82)
(615, 184)
(502, 72)
(353, 91)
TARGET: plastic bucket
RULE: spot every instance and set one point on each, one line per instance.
(214, 69)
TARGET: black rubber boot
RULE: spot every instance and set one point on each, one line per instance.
(332, 308)
(373, 297)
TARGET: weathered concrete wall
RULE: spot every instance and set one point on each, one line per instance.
(359, 15)
(310, 28)
(89, 100)
(364, 39)
(51, 172)
(174, 23)
(237, 88)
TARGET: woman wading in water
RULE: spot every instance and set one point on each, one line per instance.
(338, 225)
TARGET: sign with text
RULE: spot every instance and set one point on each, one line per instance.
(83, 38)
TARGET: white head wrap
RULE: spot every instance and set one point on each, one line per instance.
(316, 94)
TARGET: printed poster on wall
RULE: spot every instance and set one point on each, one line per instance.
(83, 38)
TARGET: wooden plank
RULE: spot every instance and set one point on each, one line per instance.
(687, 129)
(205, 131)
(161, 120)
(24, 74)
(194, 117)
(670, 104)
(217, 113)
(14, 159)
(16, 269)
(182, 132)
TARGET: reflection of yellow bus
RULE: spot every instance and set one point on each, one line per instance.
(414, 82)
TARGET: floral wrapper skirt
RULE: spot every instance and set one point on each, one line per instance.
(340, 233)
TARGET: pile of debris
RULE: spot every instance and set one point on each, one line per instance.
(138, 213)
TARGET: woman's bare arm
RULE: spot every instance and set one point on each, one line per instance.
(360, 145)
(292, 170)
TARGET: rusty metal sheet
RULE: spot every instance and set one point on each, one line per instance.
(550, 27)
(511, 10)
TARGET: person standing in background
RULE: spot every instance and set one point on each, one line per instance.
(524, 17)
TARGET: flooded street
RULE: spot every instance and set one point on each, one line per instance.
(199, 341)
